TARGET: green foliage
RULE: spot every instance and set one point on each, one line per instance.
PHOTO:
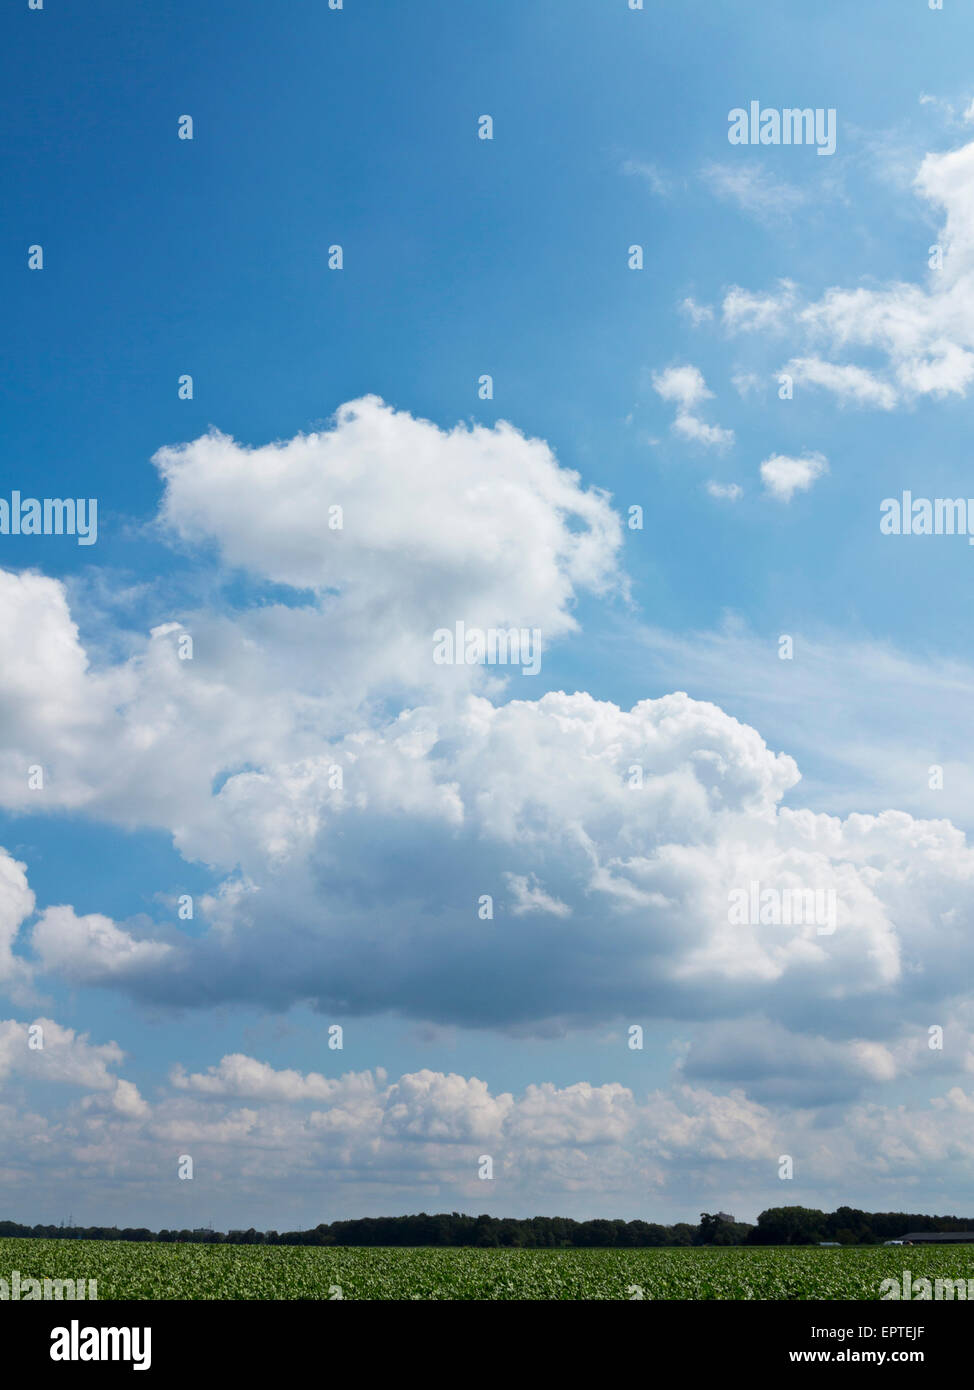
(171, 1270)
(714, 1230)
(790, 1226)
(777, 1226)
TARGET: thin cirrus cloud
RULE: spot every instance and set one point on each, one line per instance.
(755, 191)
(650, 173)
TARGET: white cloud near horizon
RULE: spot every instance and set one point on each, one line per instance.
(335, 1144)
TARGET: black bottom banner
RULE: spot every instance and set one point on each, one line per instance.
(168, 1339)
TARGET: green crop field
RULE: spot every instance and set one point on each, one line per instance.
(130, 1270)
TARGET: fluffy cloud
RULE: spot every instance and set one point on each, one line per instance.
(424, 1132)
(610, 841)
(923, 332)
(454, 1109)
(473, 525)
(16, 905)
(245, 1078)
(783, 476)
(46, 1052)
(334, 1144)
(683, 386)
(352, 844)
(356, 804)
(686, 389)
(91, 949)
(511, 537)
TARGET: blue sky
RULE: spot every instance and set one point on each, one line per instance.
(653, 388)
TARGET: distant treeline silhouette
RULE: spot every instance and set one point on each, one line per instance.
(776, 1226)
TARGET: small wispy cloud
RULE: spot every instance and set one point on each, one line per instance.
(952, 113)
(744, 312)
(696, 313)
(727, 492)
(746, 383)
(754, 190)
(530, 896)
(641, 169)
(846, 381)
(713, 436)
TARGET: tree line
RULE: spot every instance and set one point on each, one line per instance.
(776, 1226)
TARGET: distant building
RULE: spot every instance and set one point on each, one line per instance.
(724, 1216)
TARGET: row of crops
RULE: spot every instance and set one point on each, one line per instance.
(127, 1270)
